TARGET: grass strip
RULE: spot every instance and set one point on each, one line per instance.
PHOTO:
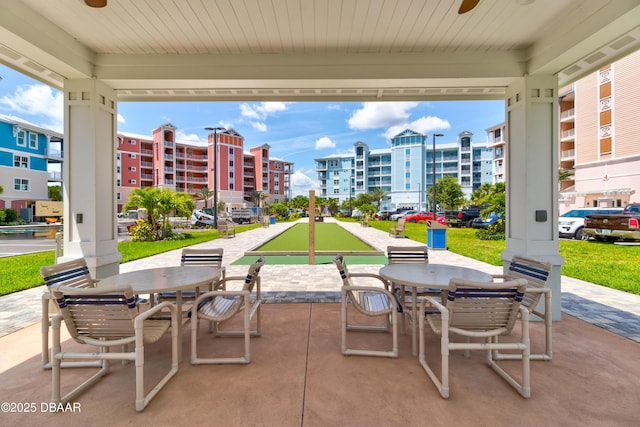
(319, 259)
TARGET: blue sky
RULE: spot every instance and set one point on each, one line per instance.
(296, 131)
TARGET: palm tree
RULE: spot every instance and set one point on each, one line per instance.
(205, 194)
(258, 197)
(377, 194)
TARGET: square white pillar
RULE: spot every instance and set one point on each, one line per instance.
(89, 171)
(532, 175)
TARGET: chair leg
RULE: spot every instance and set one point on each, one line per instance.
(441, 385)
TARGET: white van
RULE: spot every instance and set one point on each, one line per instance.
(570, 224)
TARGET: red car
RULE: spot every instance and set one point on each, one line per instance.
(424, 217)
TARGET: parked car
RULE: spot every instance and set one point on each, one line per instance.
(398, 215)
(425, 216)
(571, 224)
(491, 219)
(382, 215)
(463, 217)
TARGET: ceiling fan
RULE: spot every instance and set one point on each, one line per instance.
(467, 5)
(96, 3)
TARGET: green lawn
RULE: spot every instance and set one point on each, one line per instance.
(613, 266)
(328, 237)
(23, 271)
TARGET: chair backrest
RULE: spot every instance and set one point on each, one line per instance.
(202, 257)
(536, 273)
(341, 265)
(94, 314)
(400, 225)
(74, 273)
(253, 275)
(407, 255)
(484, 307)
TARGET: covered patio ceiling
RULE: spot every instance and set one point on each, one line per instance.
(343, 50)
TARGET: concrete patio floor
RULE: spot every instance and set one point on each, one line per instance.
(298, 376)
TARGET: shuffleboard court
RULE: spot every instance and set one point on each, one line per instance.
(292, 247)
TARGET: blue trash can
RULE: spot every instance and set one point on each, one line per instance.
(436, 235)
(272, 219)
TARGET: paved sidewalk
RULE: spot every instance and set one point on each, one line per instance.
(618, 312)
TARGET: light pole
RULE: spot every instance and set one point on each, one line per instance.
(433, 208)
(214, 170)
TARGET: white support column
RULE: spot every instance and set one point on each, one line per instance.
(90, 228)
(532, 175)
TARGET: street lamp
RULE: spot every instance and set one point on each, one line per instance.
(434, 174)
(214, 170)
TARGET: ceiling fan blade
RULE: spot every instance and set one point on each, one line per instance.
(467, 5)
(96, 3)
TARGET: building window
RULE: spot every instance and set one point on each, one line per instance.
(132, 156)
(231, 163)
(231, 174)
(230, 151)
(21, 140)
(20, 184)
(118, 182)
(132, 142)
(33, 140)
(132, 181)
(118, 169)
(231, 186)
(336, 191)
(118, 196)
(132, 168)
(21, 162)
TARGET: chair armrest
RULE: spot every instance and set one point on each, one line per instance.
(432, 302)
(156, 309)
(501, 277)
(386, 283)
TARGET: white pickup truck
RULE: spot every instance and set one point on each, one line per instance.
(202, 217)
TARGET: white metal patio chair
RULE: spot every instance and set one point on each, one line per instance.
(477, 310)
(108, 317)
(371, 301)
(218, 306)
(197, 258)
(536, 273)
(74, 273)
(409, 255)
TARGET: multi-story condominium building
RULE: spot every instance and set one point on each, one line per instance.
(599, 130)
(30, 159)
(497, 141)
(405, 170)
(162, 161)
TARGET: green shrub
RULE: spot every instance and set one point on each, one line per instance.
(2, 215)
(142, 231)
(10, 215)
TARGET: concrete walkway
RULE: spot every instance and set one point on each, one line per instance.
(615, 311)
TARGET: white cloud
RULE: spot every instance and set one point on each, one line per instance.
(422, 125)
(259, 126)
(325, 142)
(38, 100)
(337, 107)
(374, 115)
(261, 111)
(301, 183)
(189, 138)
(121, 119)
